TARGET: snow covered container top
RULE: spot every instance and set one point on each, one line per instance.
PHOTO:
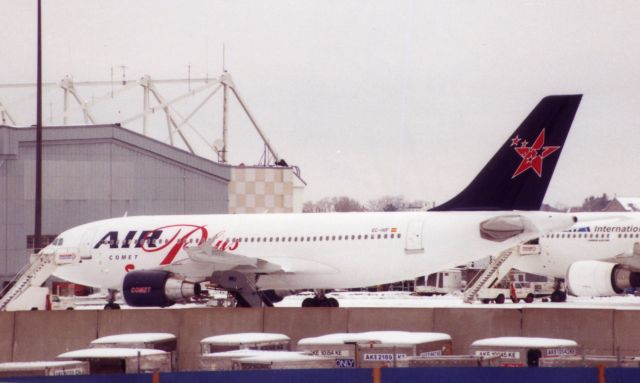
(121, 360)
(44, 368)
(523, 351)
(376, 348)
(151, 340)
(245, 340)
(282, 360)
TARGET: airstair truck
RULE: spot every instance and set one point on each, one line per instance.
(25, 292)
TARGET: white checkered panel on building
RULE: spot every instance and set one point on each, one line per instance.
(265, 190)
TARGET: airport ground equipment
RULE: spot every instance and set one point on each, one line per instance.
(517, 291)
(246, 341)
(451, 361)
(522, 351)
(154, 341)
(497, 270)
(43, 368)
(225, 360)
(64, 303)
(443, 282)
(283, 360)
(540, 286)
(121, 360)
(376, 348)
(25, 291)
(591, 361)
(218, 352)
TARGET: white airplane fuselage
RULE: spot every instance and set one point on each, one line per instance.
(301, 251)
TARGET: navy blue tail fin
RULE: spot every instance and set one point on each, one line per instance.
(518, 175)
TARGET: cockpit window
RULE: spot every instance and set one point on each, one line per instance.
(57, 242)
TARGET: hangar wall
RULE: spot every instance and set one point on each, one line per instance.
(96, 172)
(33, 335)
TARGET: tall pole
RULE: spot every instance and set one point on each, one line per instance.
(224, 123)
(225, 141)
(38, 219)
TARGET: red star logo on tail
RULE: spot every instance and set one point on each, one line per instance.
(533, 155)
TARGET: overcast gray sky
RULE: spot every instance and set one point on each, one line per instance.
(371, 97)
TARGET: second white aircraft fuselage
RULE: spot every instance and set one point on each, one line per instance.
(600, 236)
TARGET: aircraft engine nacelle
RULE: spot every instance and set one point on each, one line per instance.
(156, 288)
(600, 279)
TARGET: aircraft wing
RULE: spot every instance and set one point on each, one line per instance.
(207, 253)
(205, 258)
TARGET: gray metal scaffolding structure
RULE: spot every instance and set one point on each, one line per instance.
(175, 121)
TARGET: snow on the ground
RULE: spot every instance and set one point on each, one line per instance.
(406, 299)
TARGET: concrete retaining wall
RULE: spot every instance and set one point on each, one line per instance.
(42, 335)
(626, 337)
(593, 329)
(468, 324)
(33, 335)
(407, 319)
(197, 324)
(6, 336)
(302, 323)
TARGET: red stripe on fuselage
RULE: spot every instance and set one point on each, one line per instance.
(181, 243)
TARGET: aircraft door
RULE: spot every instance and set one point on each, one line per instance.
(86, 243)
(414, 237)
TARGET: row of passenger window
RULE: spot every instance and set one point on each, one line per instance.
(326, 238)
(590, 235)
(578, 235)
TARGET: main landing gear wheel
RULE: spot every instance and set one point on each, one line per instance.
(111, 304)
(558, 296)
(320, 302)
